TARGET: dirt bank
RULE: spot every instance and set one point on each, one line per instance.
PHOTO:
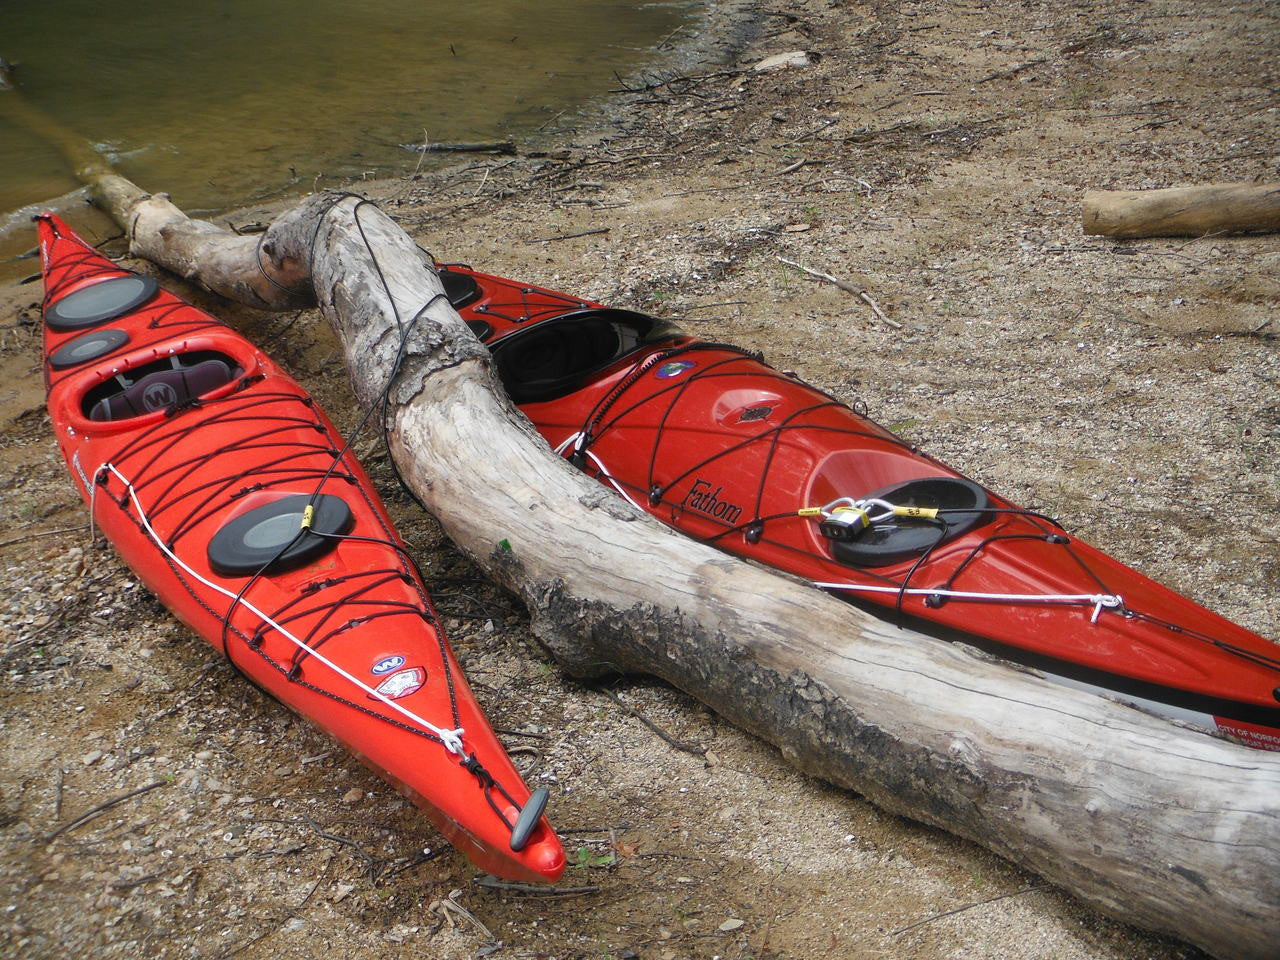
(935, 154)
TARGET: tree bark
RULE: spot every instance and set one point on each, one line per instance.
(1160, 826)
(1182, 211)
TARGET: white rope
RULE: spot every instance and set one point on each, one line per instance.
(451, 739)
(1099, 601)
(576, 439)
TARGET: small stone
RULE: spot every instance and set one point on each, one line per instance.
(354, 795)
(731, 924)
(92, 757)
(783, 61)
(341, 892)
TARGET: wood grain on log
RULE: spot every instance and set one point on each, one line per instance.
(1182, 211)
(1160, 826)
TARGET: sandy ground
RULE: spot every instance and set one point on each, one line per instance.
(935, 154)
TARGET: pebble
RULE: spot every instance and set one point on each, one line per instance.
(354, 795)
(92, 757)
(731, 924)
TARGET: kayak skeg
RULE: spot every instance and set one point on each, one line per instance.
(710, 440)
(231, 495)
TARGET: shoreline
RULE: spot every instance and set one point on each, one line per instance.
(719, 30)
(934, 155)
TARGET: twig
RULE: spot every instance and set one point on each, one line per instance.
(844, 285)
(105, 805)
(692, 748)
(368, 857)
(83, 528)
(425, 857)
(489, 146)
(847, 287)
(708, 306)
(967, 906)
(1001, 74)
(492, 883)
(879, 313)
(449, 905)
(548, 120)
(571, 236)
(818, 129)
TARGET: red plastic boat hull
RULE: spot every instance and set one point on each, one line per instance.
(712, 441)
(179, 432)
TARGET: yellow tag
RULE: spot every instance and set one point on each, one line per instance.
(308, 514)
(809, 512)
(928, 512)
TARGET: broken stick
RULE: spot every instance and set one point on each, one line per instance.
(846, 286)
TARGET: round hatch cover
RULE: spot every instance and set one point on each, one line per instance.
(91, 346)
(270, 538)
(99, 302)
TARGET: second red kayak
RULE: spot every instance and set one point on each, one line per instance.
(712, 441)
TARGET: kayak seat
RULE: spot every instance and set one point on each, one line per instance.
(174, 383)
(962, 505)
(551, 359)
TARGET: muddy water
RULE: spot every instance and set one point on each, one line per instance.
(224, 102)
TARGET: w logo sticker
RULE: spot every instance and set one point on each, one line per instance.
(158, 396)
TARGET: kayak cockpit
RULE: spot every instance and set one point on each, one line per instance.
(163, 384)
(553, 358)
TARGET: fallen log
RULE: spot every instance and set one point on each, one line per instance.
(1163, 827)
(1182, 211)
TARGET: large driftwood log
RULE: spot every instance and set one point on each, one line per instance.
(1160, 826)
(1182, 211)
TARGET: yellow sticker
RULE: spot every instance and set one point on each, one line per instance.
(926, 512)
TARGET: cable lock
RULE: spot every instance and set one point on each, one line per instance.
(846, 519)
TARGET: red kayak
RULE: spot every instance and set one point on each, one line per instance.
(712, 441)
(231, 495)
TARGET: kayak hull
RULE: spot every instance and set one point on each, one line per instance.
(712, 441)
(199, 458)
